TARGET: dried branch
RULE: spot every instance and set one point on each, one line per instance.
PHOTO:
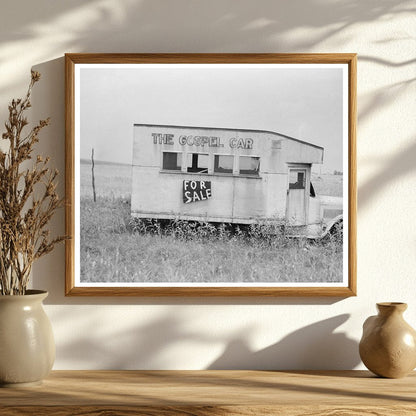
(24, 217)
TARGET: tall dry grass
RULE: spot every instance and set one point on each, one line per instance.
(115, 248)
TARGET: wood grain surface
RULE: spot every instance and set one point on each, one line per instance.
(202, 393)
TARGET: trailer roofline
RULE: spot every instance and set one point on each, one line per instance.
(230, 129)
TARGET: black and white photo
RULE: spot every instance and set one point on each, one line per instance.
(207, 177)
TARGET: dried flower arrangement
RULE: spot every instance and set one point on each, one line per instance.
(28, 199)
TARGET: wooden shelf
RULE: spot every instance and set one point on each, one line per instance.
(202, 393)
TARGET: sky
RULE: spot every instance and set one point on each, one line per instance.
(303, 102)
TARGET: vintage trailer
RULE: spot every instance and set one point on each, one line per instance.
(226, 175)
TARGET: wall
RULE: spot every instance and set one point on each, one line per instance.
(198, 333)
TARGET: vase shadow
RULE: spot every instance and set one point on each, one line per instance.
(314, 347)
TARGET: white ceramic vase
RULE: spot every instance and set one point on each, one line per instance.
(27, 347)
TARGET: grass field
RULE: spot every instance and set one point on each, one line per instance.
(111, 180)
(116, 249)
(327, 184)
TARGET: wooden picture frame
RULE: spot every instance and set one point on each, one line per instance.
(193, 152)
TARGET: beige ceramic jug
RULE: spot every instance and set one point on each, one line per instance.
(388, 345)
(27, 347)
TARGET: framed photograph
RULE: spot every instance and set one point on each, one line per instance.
(211, 174)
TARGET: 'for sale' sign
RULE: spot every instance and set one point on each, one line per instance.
(194, 191)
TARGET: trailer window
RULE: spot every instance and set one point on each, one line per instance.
(197, 163)
(223, 163)
(172, 161)
(297, 179)
(249, 165)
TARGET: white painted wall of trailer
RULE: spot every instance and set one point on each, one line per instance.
(237, 198)
(192, 333)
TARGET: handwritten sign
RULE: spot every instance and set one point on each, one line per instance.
(194, 191)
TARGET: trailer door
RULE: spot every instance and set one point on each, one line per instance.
(296, 204)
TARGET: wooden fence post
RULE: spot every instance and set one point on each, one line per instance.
(93, 177)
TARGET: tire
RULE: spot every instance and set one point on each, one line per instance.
(336, 232)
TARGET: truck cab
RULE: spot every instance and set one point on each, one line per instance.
(308, 213)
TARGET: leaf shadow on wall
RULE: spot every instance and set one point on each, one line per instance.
(144, 346)
(313, 347)
(394, 167)
(132, 26)
(151, 345)
(397, 166)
